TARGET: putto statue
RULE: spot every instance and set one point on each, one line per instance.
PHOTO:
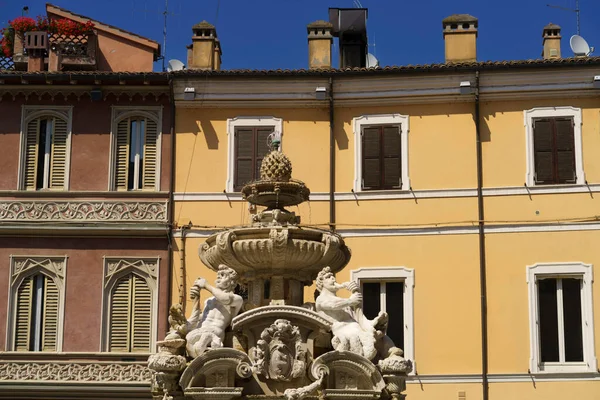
(352, 331)
(209, 329)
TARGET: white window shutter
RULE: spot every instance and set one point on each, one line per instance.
(59, 154)
(50, 319)
(31, 154)
(122, 154)
(142, 315)
(150, 155)
(120, 315)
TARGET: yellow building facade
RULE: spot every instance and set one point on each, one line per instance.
(500, 307)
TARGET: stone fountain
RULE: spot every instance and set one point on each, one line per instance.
(272, 345)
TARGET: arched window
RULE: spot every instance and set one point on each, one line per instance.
(36, 304)
(136, 151)
(45, 158)
(130, 305)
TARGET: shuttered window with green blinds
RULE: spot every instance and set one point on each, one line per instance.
(46, 154)
(381, 158)
(554, 151)
(36, 314)
(136, 154)
(130, 315)
(250, 149)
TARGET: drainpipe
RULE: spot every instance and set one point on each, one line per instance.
(482, 264)
(182, 288)
(171, 217)
(331, 160)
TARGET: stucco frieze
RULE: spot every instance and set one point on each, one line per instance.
(83, 211)
(74, 372)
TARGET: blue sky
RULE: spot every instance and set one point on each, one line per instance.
(270, 34)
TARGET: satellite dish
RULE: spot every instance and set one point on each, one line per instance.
(175, 65)
(580, 46)
(372, 61)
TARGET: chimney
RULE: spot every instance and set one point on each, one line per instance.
(460, 36)
(205, 47)
(36, 44)
(54, 59)
(551, 35)
(319, 44)
(350, 26)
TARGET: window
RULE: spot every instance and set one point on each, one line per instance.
(35, 304)
(46, 147)
(136, 145)
(390, 289)
(381, 152)
(554, 146)
(130, 304)
(247, 147)
(561, 318)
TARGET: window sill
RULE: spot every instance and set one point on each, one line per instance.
(564, 368)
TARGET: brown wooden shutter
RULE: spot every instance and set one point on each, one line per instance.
(120, 315)
(391, 157)
(150, 155)
(371, 162)
(50, 319)
(244, 157)
(565, 150)
(122, 154)
(543, 137)
(141, 315)
(59, 155)
(23, 316)
(32, 134)
(262, 148)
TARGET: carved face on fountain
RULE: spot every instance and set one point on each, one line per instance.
(226, 278)
(326, 280)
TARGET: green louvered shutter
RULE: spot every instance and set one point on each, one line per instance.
(141, 315)
(122, 154)
(150, 155)
(58, 158)
(50, 319)
(23, 316)
(31, 154)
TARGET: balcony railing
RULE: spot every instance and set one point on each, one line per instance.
(76, 52)
(6, 64)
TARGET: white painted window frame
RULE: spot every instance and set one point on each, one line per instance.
(22, 267)
(365, 121)
(118, 113)
(29, 113)
(551, 112)
(562, 270)
(232, 123)
(394, 274)
(151, 275)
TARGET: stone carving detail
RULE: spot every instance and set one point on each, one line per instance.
(88, 211)
(74, 372)
(54, 265)
(352, 330)
(148, 267)
(278, 354)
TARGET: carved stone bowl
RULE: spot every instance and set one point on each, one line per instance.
(276, 194)
(290, 251)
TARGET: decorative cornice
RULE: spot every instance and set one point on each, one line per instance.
(124, 373)
(153, 93)
(83, 211)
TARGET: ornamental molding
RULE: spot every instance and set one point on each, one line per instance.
(75, 372)
(115, 266)
(54, 265)
(155, 112)
(83, 92)
(83, 211)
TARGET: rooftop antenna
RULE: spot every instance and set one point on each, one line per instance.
(576, 10)
(165, 13)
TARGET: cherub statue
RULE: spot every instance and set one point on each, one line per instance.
(209, 329)
(178, 323)
(352, 330)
